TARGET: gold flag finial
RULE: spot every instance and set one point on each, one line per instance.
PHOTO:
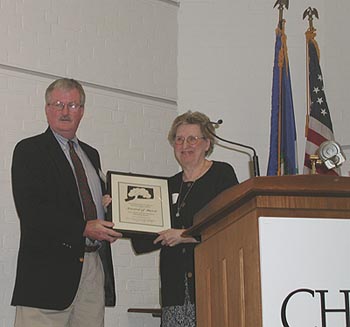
(282, 4)
(310, 13)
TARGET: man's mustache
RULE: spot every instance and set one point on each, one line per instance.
(65, 118)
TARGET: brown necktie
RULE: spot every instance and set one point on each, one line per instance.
(84, 189)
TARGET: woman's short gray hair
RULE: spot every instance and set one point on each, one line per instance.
(195, 118)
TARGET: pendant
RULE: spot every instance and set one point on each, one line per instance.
(179, 208)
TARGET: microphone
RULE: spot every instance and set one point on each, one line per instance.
(216, 124)
(255, 157)
(331, 154)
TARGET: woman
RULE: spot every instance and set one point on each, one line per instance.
(190, 190)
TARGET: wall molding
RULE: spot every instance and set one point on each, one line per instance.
(93, 85)
(171, 2)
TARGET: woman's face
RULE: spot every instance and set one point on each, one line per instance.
(190, 155)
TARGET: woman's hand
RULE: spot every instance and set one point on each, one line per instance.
(172, 237)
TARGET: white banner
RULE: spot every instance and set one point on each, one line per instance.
(305, 272)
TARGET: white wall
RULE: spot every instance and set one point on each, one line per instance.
(124, 52)
(225, 62)
(335, 60)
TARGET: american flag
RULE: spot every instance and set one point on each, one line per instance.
(318, 123)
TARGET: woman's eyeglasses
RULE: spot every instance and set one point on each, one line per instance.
(191, 140)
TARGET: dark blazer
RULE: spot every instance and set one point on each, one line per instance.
(51, 249)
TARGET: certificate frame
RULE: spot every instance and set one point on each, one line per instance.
(140, 203)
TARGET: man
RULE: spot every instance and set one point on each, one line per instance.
(64, 270)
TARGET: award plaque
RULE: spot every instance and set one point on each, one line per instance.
(140, 203)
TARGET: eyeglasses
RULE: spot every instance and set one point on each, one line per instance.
(191, 140)
(58, 105)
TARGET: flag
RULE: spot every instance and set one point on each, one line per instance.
(318, 121)
(283, 153)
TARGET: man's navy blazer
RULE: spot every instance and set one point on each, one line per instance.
(52, 224)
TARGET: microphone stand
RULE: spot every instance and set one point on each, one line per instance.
(255, 157)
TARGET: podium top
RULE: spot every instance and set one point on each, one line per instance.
(297, 186)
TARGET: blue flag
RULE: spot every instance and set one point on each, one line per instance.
(283, 153)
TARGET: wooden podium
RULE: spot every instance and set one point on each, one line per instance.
(227, 262)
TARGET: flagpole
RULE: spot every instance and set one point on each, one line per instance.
(280, 65)
(280, 29)
(309, 12)
(307, 89)
(307, 86)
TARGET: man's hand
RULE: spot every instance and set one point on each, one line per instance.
(106, 200)
(101, 230)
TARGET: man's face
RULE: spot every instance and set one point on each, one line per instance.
(66, 121)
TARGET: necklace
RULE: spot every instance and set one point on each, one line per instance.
(181, 204)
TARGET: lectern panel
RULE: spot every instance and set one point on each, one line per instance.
(229, 262)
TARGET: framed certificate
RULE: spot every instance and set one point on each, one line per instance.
(140, 203)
